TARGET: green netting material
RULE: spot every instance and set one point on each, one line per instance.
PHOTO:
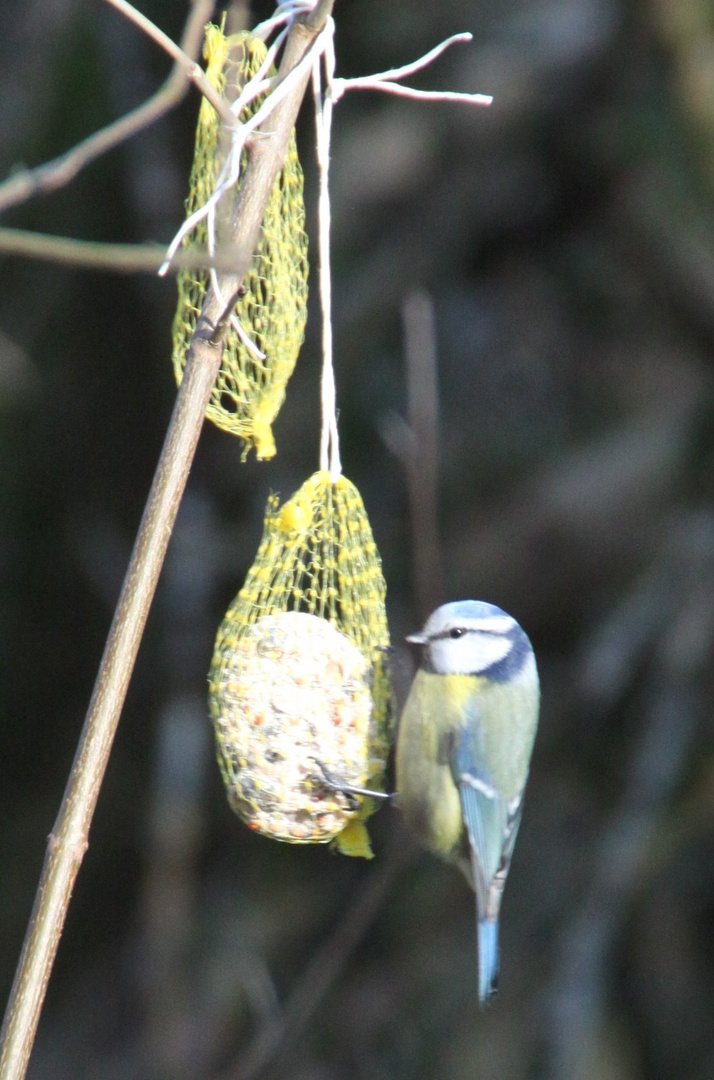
(319, 685)
(249, 391)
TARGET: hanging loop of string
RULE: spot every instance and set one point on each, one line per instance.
(319, 59)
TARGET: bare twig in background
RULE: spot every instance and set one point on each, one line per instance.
(53, 174)
(69, 838)
(122, 258)
(423, 465)
(578, 1009)
(174, 1031)
(324, 967)
(416, 445)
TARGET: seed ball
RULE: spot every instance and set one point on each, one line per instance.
(288, 691)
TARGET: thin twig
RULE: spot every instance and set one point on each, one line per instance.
(223, 322)
(415, 444)
(122, 258)
(324, 968)
(388, 81)
(413, 66)
(69, 838)
(186, 63)
(416, 95)
(54, 174)
(422, 467)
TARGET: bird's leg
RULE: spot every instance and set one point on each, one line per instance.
(348, 790)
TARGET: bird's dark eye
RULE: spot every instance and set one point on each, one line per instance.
(456, 632)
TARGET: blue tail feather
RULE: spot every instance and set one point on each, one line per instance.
(487, 959)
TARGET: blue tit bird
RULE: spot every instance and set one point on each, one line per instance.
(463, 751)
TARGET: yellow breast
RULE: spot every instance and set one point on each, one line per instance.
(427, 795)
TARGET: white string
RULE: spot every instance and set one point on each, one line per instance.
(324, 102)
(329, 438)
(386, 81)
(285, 13)
(230, 172)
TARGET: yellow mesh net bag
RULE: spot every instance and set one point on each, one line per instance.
(299, 684)
(272, 311)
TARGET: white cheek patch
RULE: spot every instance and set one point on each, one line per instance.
(486, 650)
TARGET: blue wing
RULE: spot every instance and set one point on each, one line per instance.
(491, 824)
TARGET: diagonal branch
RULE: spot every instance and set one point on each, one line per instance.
(187, 64)
(69, 838)
(53, 174)
(324, 968)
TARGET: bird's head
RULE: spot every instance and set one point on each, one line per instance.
(471, 637)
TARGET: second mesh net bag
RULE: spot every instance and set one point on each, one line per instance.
(299, 685)
(273, 306)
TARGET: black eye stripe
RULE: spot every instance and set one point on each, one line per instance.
(450, 635)
(456, 632)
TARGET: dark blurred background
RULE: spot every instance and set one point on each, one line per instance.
(565, 236)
